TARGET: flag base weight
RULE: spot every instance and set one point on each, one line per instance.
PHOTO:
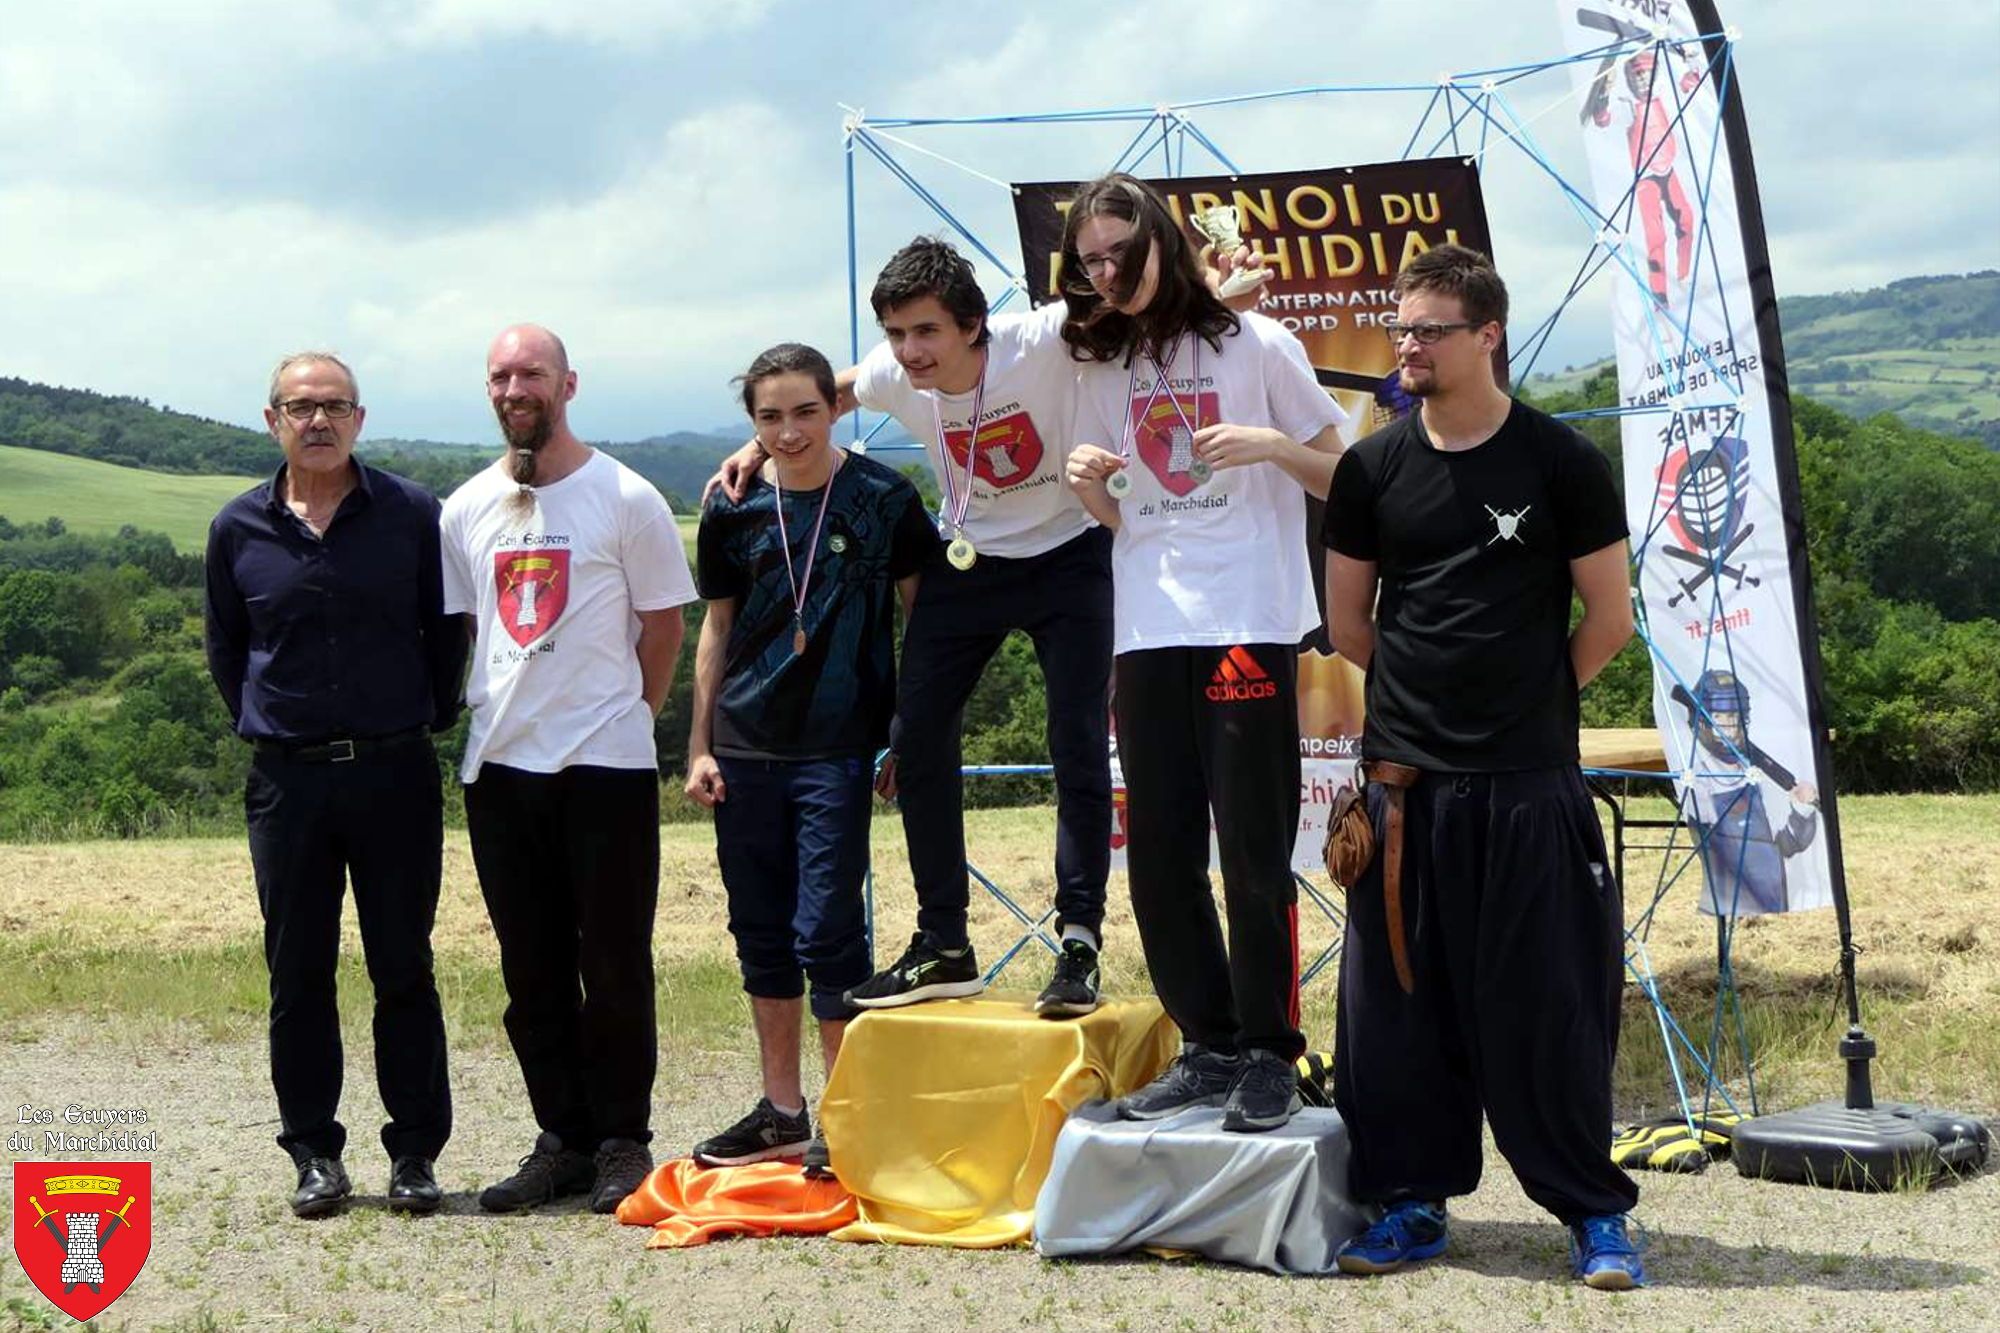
(1892, 1145)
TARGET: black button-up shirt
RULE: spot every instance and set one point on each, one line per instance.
(315, 638)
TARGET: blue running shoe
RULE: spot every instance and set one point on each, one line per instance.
(1409, 1230)
(1603, 1255)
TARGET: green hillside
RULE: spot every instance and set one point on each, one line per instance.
(1927, 349)
(93, 497)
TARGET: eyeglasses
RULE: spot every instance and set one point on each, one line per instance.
(1425, 334)
(305, 409)
(1094, 265)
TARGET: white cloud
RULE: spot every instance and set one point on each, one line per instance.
(135, 258)
(460, 22)
(674, 274)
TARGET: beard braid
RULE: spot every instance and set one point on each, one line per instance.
(521, 466)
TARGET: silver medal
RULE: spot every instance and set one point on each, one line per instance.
(1119, 484)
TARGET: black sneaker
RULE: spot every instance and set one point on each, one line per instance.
(1265, 1094)
(1197, 1077)
(818, 1164)
(922, 973)
(622, 1166)
(548, 1173)
(1073, 989)
(757, 1137)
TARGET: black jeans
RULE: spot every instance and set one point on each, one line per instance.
(379, 820)
(1062, 600)
(1515, 927)
(569, 864)
(1201, 729)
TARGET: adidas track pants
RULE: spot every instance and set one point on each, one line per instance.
(1203, 728)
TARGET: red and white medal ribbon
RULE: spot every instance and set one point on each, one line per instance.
(957, 498)
(801, 586)
(1196, 469)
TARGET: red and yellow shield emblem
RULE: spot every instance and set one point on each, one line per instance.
(1008, 451)
(534, 587)
(1163, 435)
(82, 1230)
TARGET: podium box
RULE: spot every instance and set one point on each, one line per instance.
(941, 1118)
(1276, 1200)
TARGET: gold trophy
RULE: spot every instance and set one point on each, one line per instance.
(1224, 229)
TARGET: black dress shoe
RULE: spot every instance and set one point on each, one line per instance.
(413, 1186)
(323, 1187)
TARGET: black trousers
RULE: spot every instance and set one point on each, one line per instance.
(569, 864)
(1515, 925)
(1062, 600)
(377, 819)
(1201, 730)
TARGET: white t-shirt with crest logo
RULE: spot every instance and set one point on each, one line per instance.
(554, 591)
(1021, 505)
(1220, 562)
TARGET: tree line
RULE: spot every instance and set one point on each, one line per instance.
(110, 726)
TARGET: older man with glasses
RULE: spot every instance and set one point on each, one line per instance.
(327, 637)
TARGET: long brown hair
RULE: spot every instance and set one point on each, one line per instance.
(1181, 301)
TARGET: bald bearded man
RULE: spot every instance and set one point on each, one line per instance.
(572, 572)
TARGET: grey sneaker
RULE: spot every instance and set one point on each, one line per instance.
(548, 1173)
(1197, 1077)
(1265, 1094)
(757, 1137)
(818, 1164)
(622, 1166)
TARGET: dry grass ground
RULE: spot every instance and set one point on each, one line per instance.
(129, 973)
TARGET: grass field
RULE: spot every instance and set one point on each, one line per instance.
(136, 965)
(93, 497)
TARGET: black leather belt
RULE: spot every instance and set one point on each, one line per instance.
(338, 751)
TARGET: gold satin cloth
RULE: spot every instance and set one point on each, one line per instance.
(941, 1117)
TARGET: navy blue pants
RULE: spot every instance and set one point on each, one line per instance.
(1515, 926)
(1062, 600)
(569, 864)
(377, 819)
(792, 840)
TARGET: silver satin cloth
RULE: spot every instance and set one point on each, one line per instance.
(1276, 1201)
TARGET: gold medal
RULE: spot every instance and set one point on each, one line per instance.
(960, 553)
(1119, 484)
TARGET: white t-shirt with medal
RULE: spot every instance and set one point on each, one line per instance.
(1220, 562)
(554, 591)
(1020, 505)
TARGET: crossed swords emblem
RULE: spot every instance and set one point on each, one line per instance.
(48, 1219)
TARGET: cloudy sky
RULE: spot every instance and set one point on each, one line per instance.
(190, 188)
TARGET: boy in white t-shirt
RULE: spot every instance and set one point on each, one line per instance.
(572, 570)
(1200, 431)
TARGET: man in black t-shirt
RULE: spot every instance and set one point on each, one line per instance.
(795, 684)
(1475, 517)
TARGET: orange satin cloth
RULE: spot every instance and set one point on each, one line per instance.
(688, 1205)
(942, 1117)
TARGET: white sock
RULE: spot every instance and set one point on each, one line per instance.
(1082, 933)
(789, 1112)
